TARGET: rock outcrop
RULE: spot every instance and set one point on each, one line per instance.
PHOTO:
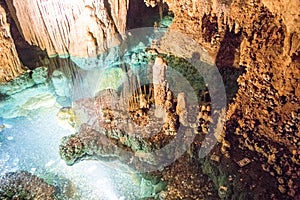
(10, 65)
(76, 28)
(207, 22)
(263, 118)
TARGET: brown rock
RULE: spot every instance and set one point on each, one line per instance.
(159, 82)
(143, 101)
(78, 28)
(266, 36)
(10, 65)
(181, 109)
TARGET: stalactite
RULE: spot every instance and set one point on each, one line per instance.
(161, 9)
(236, 27)
(10, 64)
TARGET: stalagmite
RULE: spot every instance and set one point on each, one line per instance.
(159, 82)
(143, 102)
(230, 24)
(236, 27)
(170, 124)
(181, 109)
(169, 104)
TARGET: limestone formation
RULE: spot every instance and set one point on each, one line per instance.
(102, 144)
(159, 82)
(181, 108)
(76, 28)
(262, 36)
(143, 102)
(66, 116)
(26, 94)
(23, 185)
(10, 64)
(263, 116)
(170, 123)
(169, 104)
(151, 3)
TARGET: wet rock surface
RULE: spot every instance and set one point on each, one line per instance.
(132, 124)
(255, 45)
(23, 185)
(134, 134)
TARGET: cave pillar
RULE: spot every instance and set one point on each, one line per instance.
(159, 83)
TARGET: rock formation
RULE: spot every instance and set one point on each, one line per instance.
(261, 139)
(160, 84)
(10, 65)
(263, 37)
(23, 185)
(76, 28)
(181, 108)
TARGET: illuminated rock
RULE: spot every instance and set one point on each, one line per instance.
(67, 118)
(61, 84)
(10, 65)
(244, 162)
(17, 85)
(169, 104)
(23, 96)
(144, 104)
(40, 75)
(181, 108)
(77, 28)
(160, 84)
(170, 123)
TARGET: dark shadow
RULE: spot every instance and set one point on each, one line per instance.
(29, 55)
(139, 15)
(228, 63)
(228, 50)
(209, 27)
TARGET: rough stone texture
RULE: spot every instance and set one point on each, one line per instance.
(159, 82)
(79, 28)
(23, 185)
(159, 79)
(181, 108)
(186, 181)
(210, 22)
(10, 65)
(263, 118)
(262, 36)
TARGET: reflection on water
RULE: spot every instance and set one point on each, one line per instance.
(31, 144)
(31, 133)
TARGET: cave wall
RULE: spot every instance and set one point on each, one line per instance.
(262, 36)
(10, 65)
(76, 28)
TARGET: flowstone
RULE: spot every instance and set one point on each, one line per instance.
(123, 125)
